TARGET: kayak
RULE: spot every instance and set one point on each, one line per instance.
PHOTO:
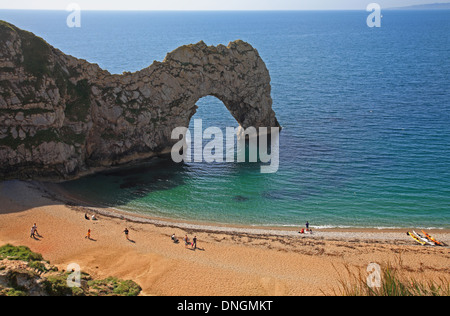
(431, 238)
(424, 239)
(416, 239)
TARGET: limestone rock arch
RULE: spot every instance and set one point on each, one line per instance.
(63, 117)
(166, 93)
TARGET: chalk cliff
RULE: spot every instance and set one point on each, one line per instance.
(61, 117)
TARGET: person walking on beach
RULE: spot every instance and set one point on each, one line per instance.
(307, 226)
(186, 241)
(194, 242)
(34, 231)
(126, 233)
(88, 236)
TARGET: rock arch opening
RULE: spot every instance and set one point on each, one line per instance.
(213, 112)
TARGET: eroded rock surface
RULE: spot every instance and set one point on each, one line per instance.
(61, 116)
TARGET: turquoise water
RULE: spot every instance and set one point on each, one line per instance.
(365, 112)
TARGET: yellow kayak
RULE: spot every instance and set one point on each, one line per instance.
(416, 239)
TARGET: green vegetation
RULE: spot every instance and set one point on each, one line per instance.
(36, 54)
(393, 283)
(48, 281)
(19, 253)
(68, 136)
(34, 260)
(6, 29)
(36, 51)
(56, 285)
(77, 108)
(13, 292)
(61, 79)
(114, 287)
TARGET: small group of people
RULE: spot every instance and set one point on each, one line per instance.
(193, 244)
(187, 243)
(92, 217)
(34, 232)
(306, 230)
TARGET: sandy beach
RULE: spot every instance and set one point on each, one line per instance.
(228, 260)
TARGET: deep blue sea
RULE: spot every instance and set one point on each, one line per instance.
(365, 115)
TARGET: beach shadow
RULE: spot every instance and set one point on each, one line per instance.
(198, 248)
(132, 241)
(132, 182)
(19, 196)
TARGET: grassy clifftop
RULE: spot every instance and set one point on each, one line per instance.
(25, 273)
(36, 51)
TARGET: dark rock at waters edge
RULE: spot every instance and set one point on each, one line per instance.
(240, 198)
(63, 117)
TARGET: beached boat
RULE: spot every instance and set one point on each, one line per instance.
(424, 239)
(416, 238)
(432, 239)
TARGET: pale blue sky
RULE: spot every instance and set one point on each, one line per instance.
(208, 4)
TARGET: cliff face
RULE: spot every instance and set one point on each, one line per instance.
(61, 116)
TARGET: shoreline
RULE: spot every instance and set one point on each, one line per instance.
(63, 195)
(228, 261)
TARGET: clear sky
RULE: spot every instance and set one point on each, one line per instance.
(209, 4)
